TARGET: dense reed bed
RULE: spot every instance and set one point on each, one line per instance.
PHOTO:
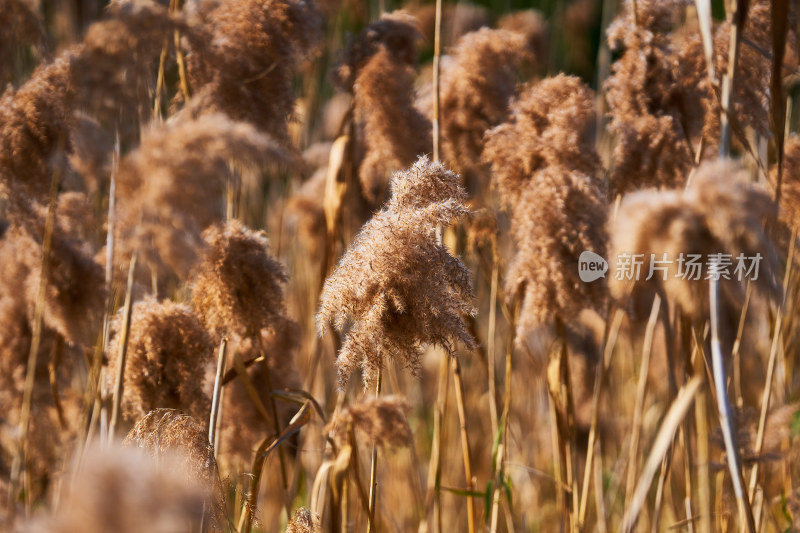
(337, 266)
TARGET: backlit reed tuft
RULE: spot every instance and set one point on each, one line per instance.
(168, 350)
(479, 78)
(169, 432)
(304, 521)
(126, 491)
(34, 128)
(396, 289)
(246, 69)
(173, 185)
(547, 172)
(237, 287)
(381, 420)
(550, 125)
(378, 70)
(75, 294)
(116, 63)
(656, 110)
(22, 25)
(720, 212)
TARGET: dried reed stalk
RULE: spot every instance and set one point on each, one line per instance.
(18, 465)
(119, 380)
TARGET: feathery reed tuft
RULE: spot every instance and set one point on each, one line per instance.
(549, 126)
(304, 521)
(165, 432)
(173, 187)
(125, 491)
(378, 70)
(253, 51)
(34, 128)
(720, 213)
(237, 287)
(382, 420)
(398, 286)
(479, 78)
(168, 350)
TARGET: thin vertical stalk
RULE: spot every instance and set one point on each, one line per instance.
(435, 467)
(373, 470)
(490, 342)
(217, 395)
(703, 453)
(773, 355)
(738, 18)
(437, 52)
(641, 392)
(18, 464)
(119, 381)
(462, 422)
(600, 373)
(726, 422)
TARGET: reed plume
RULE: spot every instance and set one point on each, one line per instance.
(304, 521)
(656, 109)
(378, 70)
(168, 351)
(237, 287)
(380, 419)
(173, 187)
(125, 491)
(237, 291)
(114, 64)
(396, 288)
(720, 212)
(34, 130)
(549, 126)
(253, 51)
(169, 432)
(479, 78)
(22, 25)
(547, 172)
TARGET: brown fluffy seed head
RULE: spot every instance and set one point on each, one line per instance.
(720, 212)
(22, 25)
(790, 185)
(34, 130)
(532, 25)
(168, 349)
(381, 420)
(479, 78)
(125, 491)
(173, 188)
(559, 215)
(656, 107)
(304, 521)
(237, 286)
(247, 68)
(113, 66)
(396, 288)
(75, 293)
(550, 125)
(170, 432)
(390, 132)
(396, 33)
